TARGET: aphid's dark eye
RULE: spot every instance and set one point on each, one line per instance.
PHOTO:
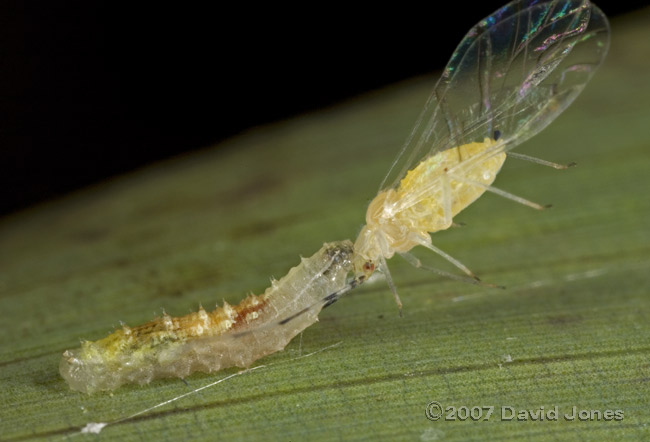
(497, 135)
(368, 267)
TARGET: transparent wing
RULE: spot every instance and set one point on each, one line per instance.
(514, 72)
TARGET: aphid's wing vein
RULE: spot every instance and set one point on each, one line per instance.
(515, 71)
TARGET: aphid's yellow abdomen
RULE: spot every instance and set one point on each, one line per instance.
(469, 162)
(427, 199)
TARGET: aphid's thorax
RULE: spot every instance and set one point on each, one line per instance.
(399, 219)
(384, 232)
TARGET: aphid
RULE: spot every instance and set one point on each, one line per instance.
(512, 74)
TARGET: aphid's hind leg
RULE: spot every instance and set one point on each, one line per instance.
(500, 192)
(521, 156)
(446, 200)
(423, 242)
(415, 262)
(426, 242)
(446, 203)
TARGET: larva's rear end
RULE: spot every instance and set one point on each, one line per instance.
(93, 367)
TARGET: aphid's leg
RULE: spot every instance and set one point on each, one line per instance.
(451, 259)
(446, 200)
(502, 193)
(389, 279)
(415, 262)
(521, 156)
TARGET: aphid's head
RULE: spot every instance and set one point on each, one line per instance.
(363, 267)
(366, 247)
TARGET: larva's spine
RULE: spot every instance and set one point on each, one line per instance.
(208, 342)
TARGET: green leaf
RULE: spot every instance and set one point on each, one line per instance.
(571, 329)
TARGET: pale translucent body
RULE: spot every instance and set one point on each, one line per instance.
(208, 342)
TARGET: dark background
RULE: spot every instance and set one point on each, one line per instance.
(89, 89)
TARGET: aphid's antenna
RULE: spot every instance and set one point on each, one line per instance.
(521, 156)
(383, 267)
(415, 262)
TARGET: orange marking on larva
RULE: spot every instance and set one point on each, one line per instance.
(248, 311)
(195, 324)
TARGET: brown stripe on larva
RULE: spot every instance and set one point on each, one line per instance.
(196, 324)
(249, 309)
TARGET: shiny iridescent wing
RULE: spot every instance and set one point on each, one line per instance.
(514, 72)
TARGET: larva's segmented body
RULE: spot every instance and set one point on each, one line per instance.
(207, 342)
